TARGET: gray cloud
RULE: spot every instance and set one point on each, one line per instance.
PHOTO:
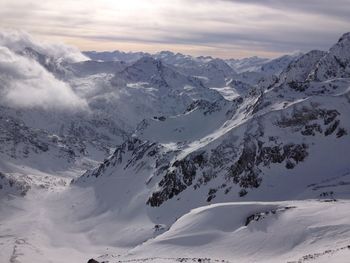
(228, 26)
(336, 8)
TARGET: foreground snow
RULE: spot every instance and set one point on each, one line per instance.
(71, 226)
(279, 232)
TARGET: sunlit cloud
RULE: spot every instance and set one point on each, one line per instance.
(226, 28)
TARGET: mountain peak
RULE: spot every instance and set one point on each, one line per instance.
(345, 37)
(336, 64)
(149, 64)
(147, 60)
(166, 53)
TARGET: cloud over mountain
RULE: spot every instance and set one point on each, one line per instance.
(25, 83)
(19, 40)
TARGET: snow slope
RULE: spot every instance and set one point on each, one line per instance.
(43, 228)
(256, 232)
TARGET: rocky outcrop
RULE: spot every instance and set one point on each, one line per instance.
(13, 185)
(262, 215)
(313, 120)
(243, 165)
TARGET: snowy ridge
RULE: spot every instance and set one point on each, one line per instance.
(336, 62)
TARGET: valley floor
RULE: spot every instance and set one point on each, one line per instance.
(52, 226)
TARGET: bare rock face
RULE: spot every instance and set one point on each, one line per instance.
(312, 121)
(243, 166)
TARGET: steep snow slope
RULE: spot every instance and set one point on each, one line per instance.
(301, 68)
(276, 66)
(200, 119)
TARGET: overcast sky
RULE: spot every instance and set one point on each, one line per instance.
(222, 28)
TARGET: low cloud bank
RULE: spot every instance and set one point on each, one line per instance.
(24, 83)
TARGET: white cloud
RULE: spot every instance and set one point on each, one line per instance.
(24, 83)
(18, 40)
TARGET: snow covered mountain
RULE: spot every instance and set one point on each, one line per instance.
(68, 106)
(170, 158)
(214, 72)
(251, 64)
(265, 65)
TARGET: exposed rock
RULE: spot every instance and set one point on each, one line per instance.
(259, 216)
